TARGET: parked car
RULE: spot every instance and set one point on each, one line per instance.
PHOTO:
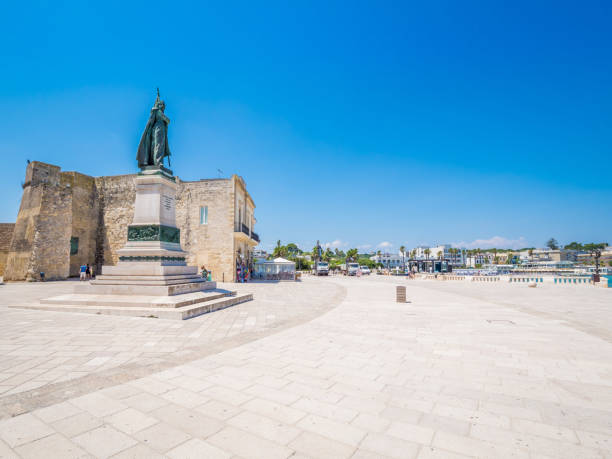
(352, 268)
(364, 270)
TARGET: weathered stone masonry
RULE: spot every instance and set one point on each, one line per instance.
(67, 219)
(6, 234)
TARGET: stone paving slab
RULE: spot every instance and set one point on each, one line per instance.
(444, 376)
(44, 354)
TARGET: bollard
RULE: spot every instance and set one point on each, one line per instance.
(400, 294)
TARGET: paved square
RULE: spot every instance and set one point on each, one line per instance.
(323, 368)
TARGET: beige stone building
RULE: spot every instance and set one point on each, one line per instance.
(67, 219)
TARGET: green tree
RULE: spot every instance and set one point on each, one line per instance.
(574, 246)
(365, 261)
(552, 244)
(280, 251)
(293, 249)
(403, 252)
(352, 255)
(427, 252)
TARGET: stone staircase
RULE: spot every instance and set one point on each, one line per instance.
(179, 307)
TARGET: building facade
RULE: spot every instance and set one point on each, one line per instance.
(67, 219)
(456, 257)
(390, 260)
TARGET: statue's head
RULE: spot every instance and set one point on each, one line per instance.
(159, 105)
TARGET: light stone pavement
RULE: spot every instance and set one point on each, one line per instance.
(450, 374)
(45, 355)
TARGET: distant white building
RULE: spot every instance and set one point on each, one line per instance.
(260, 254)
(389, 260)
(548, 255)
(445, 251)
(477, 259)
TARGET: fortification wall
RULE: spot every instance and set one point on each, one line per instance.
(6, 234)
(210, 243)
(116, 195)
(41, 239)
(84, 211)
(60, 210)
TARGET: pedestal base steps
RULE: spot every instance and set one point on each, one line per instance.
(177, 307)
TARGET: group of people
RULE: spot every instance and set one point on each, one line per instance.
(242, 272)
(86, 272)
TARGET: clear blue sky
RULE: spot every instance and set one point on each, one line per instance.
(364, 123)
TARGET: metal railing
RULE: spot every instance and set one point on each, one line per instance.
(242, 228)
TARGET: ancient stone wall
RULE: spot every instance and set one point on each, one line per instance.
(6, 234)
(61, 211)
(211, 243)
(84, 223)
(41, 240)
(116, 195)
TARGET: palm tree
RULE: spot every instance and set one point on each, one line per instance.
(352, 255)
(403, 251)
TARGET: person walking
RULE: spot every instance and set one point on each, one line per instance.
(88, 272)
(83, 273)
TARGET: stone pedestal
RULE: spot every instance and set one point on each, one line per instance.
(152, 261)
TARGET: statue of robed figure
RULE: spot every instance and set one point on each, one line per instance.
(153, 147)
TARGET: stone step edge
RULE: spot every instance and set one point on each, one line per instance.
(157, 283)
(184, 313)
(122, 303)
(149, 277)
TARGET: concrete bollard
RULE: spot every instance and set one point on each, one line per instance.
(400, 294)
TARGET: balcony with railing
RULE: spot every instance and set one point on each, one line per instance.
(244, 229)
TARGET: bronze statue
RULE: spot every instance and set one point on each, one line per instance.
(153, 147)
